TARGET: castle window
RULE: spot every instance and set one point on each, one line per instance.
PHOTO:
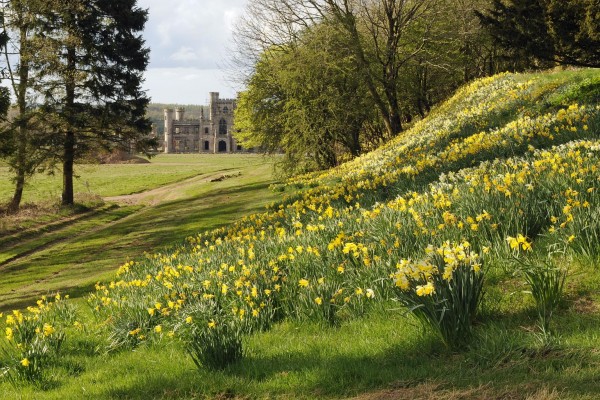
(206, 131)
(206, 145)
(222, 146)
(222, 127)
(225, 110)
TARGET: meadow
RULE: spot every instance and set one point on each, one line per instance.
(121, 179)
(460, 260)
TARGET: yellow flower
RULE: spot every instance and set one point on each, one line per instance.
(25, 362)
(571, 238)
(188, 320)
(319, 300)
(158, 329)
(151, 311)
(134, 332)
(514, 244)
(303, 283)
(212, 324)
(48, 330)
(425, 290)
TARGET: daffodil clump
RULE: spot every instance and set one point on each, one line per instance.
(443, 290)
(33, 339)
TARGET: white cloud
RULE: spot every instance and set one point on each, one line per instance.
(188, 40)
(185, 53)
(186, 85)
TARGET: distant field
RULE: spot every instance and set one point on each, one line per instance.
(118, 179)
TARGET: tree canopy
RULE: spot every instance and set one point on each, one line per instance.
(332, 78)
(561, 31)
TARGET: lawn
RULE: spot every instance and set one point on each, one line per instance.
(119, 179)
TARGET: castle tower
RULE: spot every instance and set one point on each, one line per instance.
(168, 130)
(179, 112)
(214, 100)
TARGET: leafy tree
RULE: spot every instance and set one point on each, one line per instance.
(561, 31)
(383, 37)
(89, 74)
(308, 100)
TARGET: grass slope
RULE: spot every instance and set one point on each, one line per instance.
(308, 286)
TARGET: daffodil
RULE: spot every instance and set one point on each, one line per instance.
(425, 290)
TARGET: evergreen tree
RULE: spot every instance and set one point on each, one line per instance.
(561, 31)
(89, 74)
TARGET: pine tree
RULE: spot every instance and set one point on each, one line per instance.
(561, 31)
(90, 74)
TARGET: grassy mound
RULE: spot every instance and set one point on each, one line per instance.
(495, 193)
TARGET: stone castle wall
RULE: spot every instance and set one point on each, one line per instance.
(212, 133)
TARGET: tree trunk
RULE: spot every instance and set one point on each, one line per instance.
(22, 123)
(69, 144)
(68, 160)
(15, 203)
(395, 119)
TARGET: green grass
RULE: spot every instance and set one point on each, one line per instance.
(73, 256)
(118, 179)
(308, 361)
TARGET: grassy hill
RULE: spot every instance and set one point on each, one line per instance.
(365, 281)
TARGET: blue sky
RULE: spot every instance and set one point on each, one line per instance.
(189, 42)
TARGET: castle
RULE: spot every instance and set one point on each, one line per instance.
(210, 133)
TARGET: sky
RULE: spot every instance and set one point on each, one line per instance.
(189, 41)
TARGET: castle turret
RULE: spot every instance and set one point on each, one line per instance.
(168, 130)
(179, 112)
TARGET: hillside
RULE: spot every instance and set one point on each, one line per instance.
(495, 192)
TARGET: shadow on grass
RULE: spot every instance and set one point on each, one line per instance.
(75, 264)
(310, 375)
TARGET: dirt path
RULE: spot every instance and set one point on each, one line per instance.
(170, 192)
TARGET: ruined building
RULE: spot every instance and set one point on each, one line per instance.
(210, 133)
